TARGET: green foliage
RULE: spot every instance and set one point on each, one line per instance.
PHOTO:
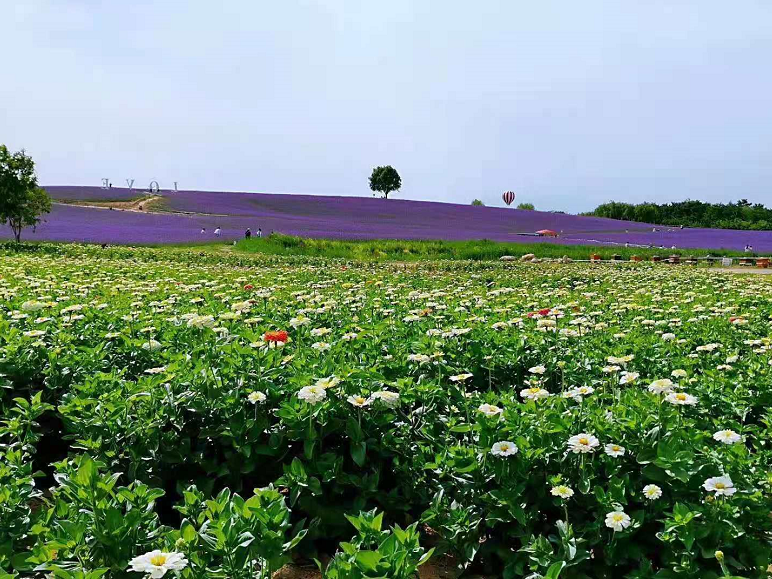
(689, 213)
(407, 250)
(22, 202)
(385, 180)
(375, 553)
(526, 206)
(478, 203)
(142, 385)
(234, 538)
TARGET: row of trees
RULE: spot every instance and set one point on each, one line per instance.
(22, 202)
(739, 215)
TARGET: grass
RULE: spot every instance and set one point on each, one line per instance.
(476, 250)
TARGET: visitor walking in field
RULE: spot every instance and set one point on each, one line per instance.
(217, 232)
(248, 233)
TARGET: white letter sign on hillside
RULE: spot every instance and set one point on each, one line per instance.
(130, 183)
(154, 188)
(105, 183)
(175, 186)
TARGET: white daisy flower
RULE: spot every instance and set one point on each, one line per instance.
(256, 397)
(489, 410)
(329, 382)
(504, 448)
(727, 436)
(663, 385)
(618, 520)
(582, 443)
(721, 485)
(157, 563)
(615, 450)
(358, 401)
(681, 399)
(652, 492)
(562, 491)
(312, 394)
(534, 393)
(628, 377)
(389, 399)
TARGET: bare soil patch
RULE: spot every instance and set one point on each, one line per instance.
(146, 204)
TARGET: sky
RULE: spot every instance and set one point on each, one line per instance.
(568, 104)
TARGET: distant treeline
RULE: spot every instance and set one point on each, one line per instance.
(740, 215)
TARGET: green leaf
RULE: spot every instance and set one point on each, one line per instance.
(86, 472)
(358, 451)
(554, 570)
(368, 560)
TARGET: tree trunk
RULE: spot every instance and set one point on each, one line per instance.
(16, 228)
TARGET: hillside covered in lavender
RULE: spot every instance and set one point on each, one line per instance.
(180, 216)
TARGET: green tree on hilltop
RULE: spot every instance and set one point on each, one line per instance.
(385, 180)
(22, 202)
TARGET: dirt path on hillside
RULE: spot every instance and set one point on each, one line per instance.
(147, 204)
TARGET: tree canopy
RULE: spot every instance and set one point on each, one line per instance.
(739, 215)
(526, 206)
(22, 202)
(385, 180)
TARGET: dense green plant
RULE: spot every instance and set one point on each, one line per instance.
(234, 538)
(374, 552)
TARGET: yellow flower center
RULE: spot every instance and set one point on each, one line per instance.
(504, 447)
(158, 560)
(618, 517)
(615, 448)
(359, 400)
(720, 485)
(681, 396)
(584, 441)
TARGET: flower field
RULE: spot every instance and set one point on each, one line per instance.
(169, 413)
(183, 214)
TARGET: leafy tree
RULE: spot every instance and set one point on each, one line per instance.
(22, 202)
(526, 206)
(385, 180)
(478, 203)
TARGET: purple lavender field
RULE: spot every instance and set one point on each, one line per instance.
(187, 212)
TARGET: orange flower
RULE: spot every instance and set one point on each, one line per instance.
(280, 336)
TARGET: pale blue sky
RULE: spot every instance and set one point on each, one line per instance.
(567, 103)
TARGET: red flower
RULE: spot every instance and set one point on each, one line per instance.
(248, 287)
(544, 312)
(280, 336)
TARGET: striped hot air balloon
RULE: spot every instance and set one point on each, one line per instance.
(508, 197)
